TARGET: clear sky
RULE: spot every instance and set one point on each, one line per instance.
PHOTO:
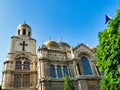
(76, 21)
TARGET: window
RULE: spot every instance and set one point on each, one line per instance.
(24, 31)
(29, 33)
(52, 71)
(18, 32)
(18, 65)
(86, 66)
(65, 70)
(26, 65)
(17, 80)
(26, 80)
(21, 80)
(59, 71)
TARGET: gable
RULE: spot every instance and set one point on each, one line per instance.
(83, 50)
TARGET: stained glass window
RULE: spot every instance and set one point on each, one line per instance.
(52, 71)
(17, 80)
(65, 70)
(86, 66)
(59, 71)
(18, 65)
(26, 65)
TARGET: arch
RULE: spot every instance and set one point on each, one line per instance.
(59, 72)
(26, 65)
(65, 70)
(52, 71)
(86, 66)
(18, 65)
(83, 54)
(22, 56)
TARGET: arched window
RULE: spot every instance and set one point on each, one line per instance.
(29, 33)
(26, 65)
(86, 66)
(59, 71)
(24, 31)
(18, 32)
(52, 71)
(65, 70)
(18, 65)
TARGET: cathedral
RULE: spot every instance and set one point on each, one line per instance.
(26, 70)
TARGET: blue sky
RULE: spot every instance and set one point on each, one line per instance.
(76, 21)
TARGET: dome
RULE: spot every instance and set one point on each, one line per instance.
(63, 44)
(50, 43)
(24, 26)
(24, 30)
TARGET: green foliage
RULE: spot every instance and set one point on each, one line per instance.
(108, 54)
(67, 84)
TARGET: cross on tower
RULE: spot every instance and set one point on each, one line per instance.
(23, 44)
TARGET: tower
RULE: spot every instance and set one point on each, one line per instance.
(21, 62)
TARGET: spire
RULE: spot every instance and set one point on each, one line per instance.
(49, 39)
(60, 39)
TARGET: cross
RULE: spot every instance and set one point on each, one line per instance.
(23, 44)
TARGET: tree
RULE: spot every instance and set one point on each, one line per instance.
(108, 54)
(67, 84)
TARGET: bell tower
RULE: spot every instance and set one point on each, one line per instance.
(24, 30)
(21, 62)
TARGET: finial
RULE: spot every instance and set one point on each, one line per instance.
(89, 45)
(24, 22)
(60, 39)
(49, 39)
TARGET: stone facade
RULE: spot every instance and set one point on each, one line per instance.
(24, 70)
(21, 61)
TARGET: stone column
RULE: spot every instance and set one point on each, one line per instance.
(82, 85)
(74, 66)
(77, 73)
(62, 70)
(93, 67)
(42, 69)
(56, 71)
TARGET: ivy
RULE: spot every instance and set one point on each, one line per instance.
(108, 54)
